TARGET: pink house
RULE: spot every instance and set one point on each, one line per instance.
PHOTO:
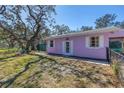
(87, 44)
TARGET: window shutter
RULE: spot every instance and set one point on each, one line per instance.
(48, 44)
(63, 47)
(87, 42)
(72, 47)
(101, 41)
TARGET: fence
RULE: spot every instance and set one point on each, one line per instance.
(113, 56)
(41, 47)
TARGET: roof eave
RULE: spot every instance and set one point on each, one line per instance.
(96, 31)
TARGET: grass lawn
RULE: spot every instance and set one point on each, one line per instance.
(39, 71)
(11, 50)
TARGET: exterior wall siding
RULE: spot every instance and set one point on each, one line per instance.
(79, 45)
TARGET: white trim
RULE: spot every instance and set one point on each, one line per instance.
(71, 47)
(101, 42)
(63, 47)
(87, 40)
(48, 45)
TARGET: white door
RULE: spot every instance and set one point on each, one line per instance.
(67, 47)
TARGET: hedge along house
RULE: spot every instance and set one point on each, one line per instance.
(87, 44)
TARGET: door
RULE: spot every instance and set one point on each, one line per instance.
(67, 48)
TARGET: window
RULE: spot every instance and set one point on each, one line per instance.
(67, 47)
(94, 41)
(51, 43)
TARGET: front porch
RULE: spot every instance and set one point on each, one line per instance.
(117, 44)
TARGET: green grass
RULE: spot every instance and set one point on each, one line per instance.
(8, 53)
(13, 65)
(9, 50)
(5, 56)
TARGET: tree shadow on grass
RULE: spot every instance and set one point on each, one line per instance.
(8, 82)
(57, 72)
(88, 73)
(53, 62)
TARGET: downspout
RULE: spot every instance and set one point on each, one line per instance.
(122, 42)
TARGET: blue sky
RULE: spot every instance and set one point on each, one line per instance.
(75, 16)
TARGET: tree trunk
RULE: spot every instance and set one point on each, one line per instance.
(27, 49)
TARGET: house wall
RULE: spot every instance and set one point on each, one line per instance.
(79, 45)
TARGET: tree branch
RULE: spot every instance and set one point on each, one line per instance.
(2, 9)
(11, 33)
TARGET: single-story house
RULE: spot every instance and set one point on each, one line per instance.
(87, 44)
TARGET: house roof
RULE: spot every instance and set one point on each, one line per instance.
(89, 32)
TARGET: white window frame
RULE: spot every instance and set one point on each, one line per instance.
(96, 41)
(101, 42)
(49, 43)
